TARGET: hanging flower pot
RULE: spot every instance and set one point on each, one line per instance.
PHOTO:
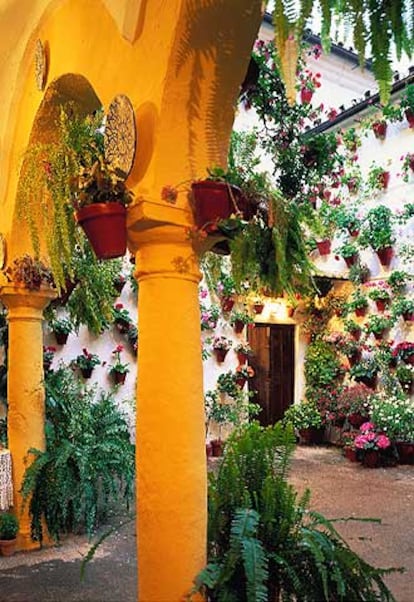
(380, 334)
(213, 201)
(360, 312)
(385, 255)
(354, 358)
(356, 334)
(352, 260)
(209, 450)
(118, 377)
(384, 180)
(217, 445)
(306, 95)
(408, 316)
(227, 303)
(409, 115)
(258, 308)
(380, 129)
(240, 381)
(353, 233)
(105, 226)
(238, 326)
(381, 304)
(324, 247)
(242, 357)
(86, 372)
(61, 337)
(220, 355)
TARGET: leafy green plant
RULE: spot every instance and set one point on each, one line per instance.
(357, 300)
(346, 219)
(322, 364)
(88, 462)
(359, 273)
(367, 368)
(30, 272)
(264, 544)
(402, 306)
(377, 324)
(398, 280)
(86, 360)
(240, 316)
(377, 179)
(61, 325)
(377, 231)
(9, 526)
(347, 250)
(303, 415)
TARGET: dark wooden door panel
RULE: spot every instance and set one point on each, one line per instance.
(273, 362)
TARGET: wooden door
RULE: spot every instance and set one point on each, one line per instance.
(273, 363)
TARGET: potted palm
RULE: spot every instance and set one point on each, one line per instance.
(9, 528)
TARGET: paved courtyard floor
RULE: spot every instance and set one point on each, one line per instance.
(339, 489)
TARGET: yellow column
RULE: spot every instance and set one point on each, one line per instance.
(26, 413)
(171, 462)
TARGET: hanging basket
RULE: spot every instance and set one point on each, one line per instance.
(105, 226)
(213, 201)
(324, 247)
(61, 337)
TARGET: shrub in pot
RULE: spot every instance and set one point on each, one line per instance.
(9, 528)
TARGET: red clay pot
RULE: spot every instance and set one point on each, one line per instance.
(227, 304)
(311, 436)
(385, 256)
(217, 445)
(371, 458)
(258, 308)
(408, 316)
(240, 381)
(242, 358)
(220, 355)
(384, 179)
(360, 312)
(324, 247)
(61, 337)
(380, 129)
(213, 201)
(209, 450)
(238, 326)
(306, 95)
(105, 226)
(86, 372)
(381, 304)
(350, 261)
(350, 454)
(119, 377)
(409, 115)
(405, 452)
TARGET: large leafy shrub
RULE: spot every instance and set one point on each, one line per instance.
(88, 461)
(264, 542)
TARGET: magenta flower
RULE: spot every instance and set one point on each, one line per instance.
(367, 426)
(383, 442)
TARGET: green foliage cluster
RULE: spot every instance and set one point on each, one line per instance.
(377, 231)
(322, 364)
(9, 526)
(88, 462)
(264, 542)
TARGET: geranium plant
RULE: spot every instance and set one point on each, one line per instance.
(378, 178)
(369, 439)
(378, 324)
(222, 342)
(118, 366)
(29, 272)
(244, 348)
(86, 360)
(209, 316)
(403, 351)
(407, 166)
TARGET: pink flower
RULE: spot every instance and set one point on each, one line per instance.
(360, 441)
(118, 349)
(367, 426)
(383, 442)
(119, 306)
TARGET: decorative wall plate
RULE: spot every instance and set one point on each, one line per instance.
(120, 134)
(40, 65)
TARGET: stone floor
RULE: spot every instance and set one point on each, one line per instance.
(339, 489)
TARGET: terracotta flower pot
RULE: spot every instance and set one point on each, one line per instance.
(220, 355)
(86, 372)
(209, 450)
(409, 115)
(7, 547)
(324, 247)
(405, 452)
(118, 377)
(105, 226)
(381, 304)
(380, 129)
(352, 260)
(371, 458)
(311, 436)
(238, 326)
(350, 454)
(306, 95)
(227, 304)
(242, 358)
(61, 337)
(258, 308)
(360, 312)
(355, 358)
(213, 201)
(240, 381)
(353, 233)
(356, 334)
(408, 316)
(217, 445)
(122, 325)
(385, 256)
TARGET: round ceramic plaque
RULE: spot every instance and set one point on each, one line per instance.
(40, 65)
(120, 134)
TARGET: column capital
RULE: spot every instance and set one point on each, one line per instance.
(25, 304)
(159, 237)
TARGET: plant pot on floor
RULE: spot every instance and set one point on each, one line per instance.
(351, 454)
(7, 547)
(311, 436)
(371, 458)
(105, 226)
(405, 451)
